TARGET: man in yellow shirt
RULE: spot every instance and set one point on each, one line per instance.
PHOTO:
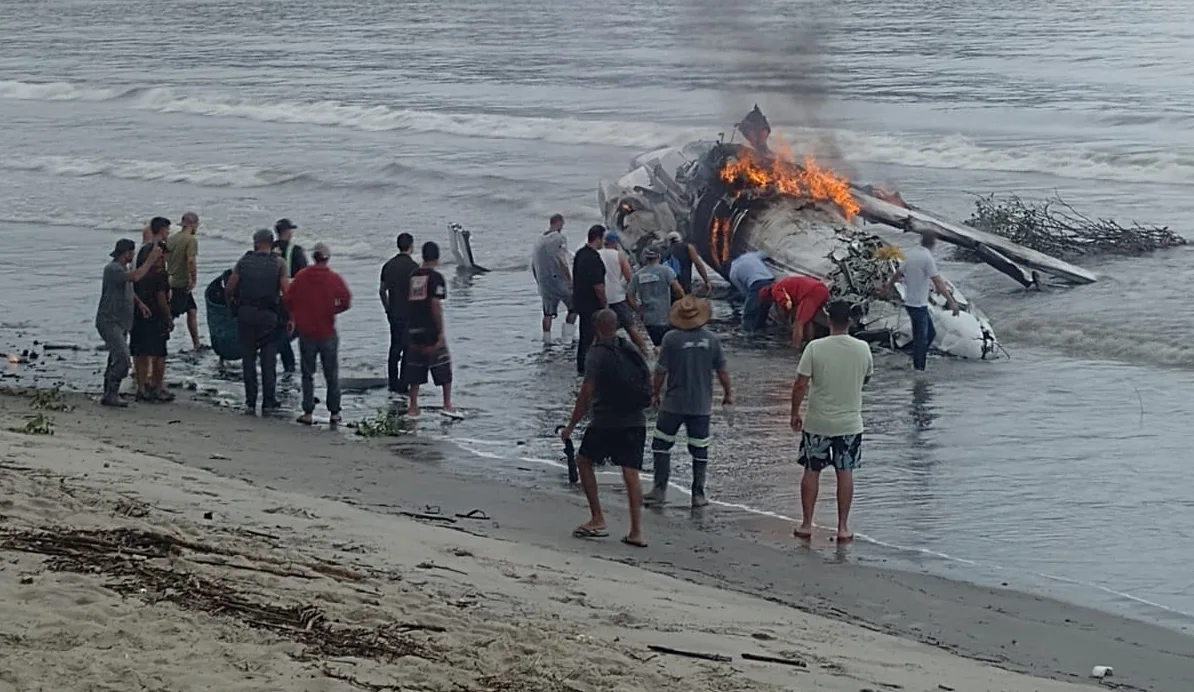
(832, 372)
(182, 253)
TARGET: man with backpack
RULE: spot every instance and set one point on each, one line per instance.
(617, 390)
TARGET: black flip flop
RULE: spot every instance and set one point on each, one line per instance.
(636, 544)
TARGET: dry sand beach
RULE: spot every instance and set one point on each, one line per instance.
(126, 568)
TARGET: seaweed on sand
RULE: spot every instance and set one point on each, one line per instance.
(138, 563)
(1054, 227)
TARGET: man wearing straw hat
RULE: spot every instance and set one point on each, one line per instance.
(688, 357)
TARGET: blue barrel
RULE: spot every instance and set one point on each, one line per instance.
(221, 323)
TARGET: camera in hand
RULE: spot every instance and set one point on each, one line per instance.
(162, 245)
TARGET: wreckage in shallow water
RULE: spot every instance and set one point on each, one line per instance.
(727, 199)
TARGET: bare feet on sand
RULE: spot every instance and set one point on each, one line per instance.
(803, 532)
(844, 536)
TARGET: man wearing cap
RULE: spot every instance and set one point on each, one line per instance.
(687, 360)
(394, 292)
(114, 316)
(617, 274)
(292, 253)
(254, 293)
(832, 372)
(182, 253)
(681, 257)
(652, 290)
(799, 299)
(314, 298)
(752, 279)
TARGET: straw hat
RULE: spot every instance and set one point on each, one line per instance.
(690, 312)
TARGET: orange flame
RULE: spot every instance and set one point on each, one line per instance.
(719, 236)
(783, 175)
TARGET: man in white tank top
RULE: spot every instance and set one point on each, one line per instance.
(617, 274)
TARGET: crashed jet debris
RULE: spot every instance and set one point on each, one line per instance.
(727, 199)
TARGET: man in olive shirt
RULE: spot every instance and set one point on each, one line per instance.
(254, 293)
(182, 253)
(114, 316)
(832, 372)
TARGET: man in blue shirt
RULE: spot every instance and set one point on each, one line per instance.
(750, 277)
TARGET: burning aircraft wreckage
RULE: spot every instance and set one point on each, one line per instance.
(727, 199)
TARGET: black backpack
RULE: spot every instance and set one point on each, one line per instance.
(628, 386)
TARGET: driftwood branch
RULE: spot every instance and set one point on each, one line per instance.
(1054, 227)
(717, 658)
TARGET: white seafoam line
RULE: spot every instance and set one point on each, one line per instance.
(464, 442)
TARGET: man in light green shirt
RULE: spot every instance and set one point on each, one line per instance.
(832, 372)
(182, 253)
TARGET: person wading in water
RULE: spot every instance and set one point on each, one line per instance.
(588, 291)
(182, 255)
(292, 253)
(682, 257)
(254, 293)
(394, 291)
(689, 357)
(549, 266)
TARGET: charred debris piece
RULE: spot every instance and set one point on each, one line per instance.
(1056, 228)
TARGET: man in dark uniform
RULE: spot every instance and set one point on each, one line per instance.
(254, 293)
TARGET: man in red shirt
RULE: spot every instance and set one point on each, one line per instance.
(799, 299)
(315, 296)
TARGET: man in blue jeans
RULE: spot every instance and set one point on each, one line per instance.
(688, 357)
(750, 276)
(919, 273)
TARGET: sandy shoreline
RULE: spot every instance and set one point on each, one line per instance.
(518, 601)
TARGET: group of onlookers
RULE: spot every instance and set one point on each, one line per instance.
(603, 294)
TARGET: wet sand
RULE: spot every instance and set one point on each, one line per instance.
(321, 494)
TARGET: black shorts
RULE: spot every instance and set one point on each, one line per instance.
(147, 339)
(625, 316)
(657, 332)
(619, 446)
(420, 360)
(181, 302)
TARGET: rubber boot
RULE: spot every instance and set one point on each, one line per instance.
(698, 483)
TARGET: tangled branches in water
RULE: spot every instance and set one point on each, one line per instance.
(1055, 228)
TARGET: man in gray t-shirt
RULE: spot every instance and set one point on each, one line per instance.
(549, 266)
(689, 356)
(114, 316)
(650, 292)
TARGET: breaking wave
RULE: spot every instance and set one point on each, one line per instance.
(956, 151)
(127, 169)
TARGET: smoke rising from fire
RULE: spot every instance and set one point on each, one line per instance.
(773, 53)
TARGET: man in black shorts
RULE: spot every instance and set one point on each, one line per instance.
(427, 351)
(617, 433)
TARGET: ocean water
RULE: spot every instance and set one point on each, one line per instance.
(1062, 470)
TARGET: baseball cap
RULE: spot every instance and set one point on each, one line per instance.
(321, 251)
(262, 236)
(651, 254)
(674, 235)
(122, 246)
(284, 225)
(611, 237)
